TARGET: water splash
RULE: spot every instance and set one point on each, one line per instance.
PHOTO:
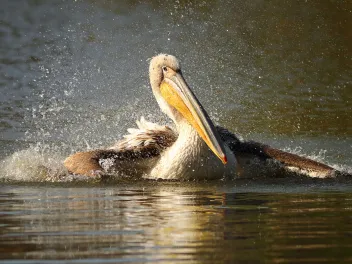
(40, 163)
(85, 79)
(35, 164)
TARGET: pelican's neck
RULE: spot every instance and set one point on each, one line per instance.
(185, 157)
(189, 143)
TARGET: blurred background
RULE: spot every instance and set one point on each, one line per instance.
(74, 74)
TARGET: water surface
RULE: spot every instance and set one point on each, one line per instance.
(73, 76)
(173, 222)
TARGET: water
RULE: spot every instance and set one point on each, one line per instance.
(173, 222)
(74, 77)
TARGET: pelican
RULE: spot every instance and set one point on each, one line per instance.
(194, 148)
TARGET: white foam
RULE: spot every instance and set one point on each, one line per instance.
(35, 164)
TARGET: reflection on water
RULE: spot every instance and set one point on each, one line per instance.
(171, 222)
(73, 76)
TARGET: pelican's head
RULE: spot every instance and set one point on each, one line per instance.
(176, 99)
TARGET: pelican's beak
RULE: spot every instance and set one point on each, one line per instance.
(176, 92)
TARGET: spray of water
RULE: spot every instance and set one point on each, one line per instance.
(89, 88)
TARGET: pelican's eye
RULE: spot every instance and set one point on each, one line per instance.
(164, 69)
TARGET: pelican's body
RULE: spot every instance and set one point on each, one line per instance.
(169, 154)
(193, 149)
(190, 158)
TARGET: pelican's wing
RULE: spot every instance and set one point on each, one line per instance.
(258, 159)
(132, 155)
(147, 137)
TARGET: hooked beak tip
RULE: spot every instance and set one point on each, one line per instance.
(224, 159)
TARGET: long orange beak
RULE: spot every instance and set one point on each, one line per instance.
(176, 92)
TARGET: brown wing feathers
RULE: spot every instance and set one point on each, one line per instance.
(292, 162)
(148, 141)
